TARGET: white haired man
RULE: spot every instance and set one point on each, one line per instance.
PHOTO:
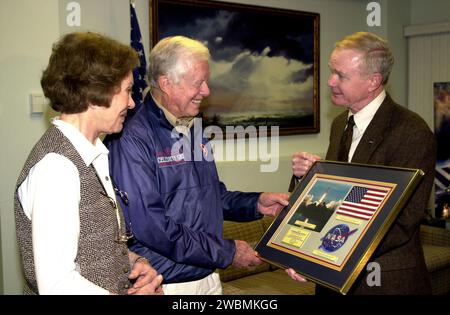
(177, 203)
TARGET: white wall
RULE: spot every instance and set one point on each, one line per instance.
(29, 27)
(27, 30)
(110, 17)
(399, 14)
(429, 12)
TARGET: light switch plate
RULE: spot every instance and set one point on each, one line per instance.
(37, 103)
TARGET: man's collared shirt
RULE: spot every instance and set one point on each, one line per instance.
(182, 125)
(362, 121)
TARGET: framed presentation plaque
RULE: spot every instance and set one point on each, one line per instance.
(336, 217)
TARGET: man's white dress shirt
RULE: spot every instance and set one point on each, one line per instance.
(362, 121)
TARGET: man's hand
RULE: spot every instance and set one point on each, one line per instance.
(294, 275)
(147, 279)
(302, 161)
(272, 203)
(245, 256)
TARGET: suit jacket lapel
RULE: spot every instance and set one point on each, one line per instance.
(337, 129)
(374, 133)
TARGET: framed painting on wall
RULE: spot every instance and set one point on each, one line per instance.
(264, 61)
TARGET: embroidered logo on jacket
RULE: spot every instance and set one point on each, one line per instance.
(166, 158)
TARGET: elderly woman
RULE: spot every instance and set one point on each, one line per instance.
(70, 231)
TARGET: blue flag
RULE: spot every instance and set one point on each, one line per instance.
(140, 73)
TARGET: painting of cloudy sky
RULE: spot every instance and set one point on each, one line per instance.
(262, 62)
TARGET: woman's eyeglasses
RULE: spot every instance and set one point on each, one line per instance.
(122, 194)
(123, 235)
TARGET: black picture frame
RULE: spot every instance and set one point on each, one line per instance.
(264, 62)
(336, 217)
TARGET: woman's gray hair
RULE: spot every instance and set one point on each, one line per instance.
(377, 56)
(173, 56)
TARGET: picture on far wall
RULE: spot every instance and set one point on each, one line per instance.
(264, 61)
(442, 132)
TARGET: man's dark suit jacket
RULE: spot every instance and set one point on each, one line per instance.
(396, 137)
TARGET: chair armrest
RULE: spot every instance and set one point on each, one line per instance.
(431, 235)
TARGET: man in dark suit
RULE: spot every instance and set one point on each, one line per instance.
(384, 133)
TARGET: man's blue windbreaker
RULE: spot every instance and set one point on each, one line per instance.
(176, 202)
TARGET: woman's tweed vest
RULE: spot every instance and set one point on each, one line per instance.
(99, 258)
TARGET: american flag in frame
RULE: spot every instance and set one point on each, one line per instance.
(363, 201)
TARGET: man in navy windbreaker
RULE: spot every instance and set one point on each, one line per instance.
(173, 201)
